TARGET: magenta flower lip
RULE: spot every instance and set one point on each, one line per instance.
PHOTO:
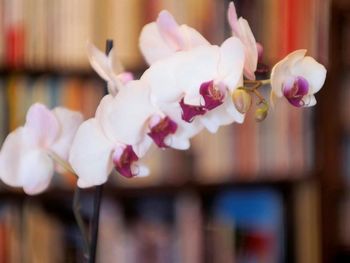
(212, 95)
(190, 111)
(296, 91)
(123, 164)
(159, 132)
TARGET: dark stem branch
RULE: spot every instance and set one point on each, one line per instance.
(80, 221)
(97, 196)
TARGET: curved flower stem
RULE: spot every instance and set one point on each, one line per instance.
(76, 204)
(80, 221)
(61, 162)
(97, 196)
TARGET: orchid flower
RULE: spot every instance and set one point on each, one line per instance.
(196, 84)
(164, 37)
(26, 155)
(297, 78)
(240, 28)
(118, 136)
(108, 68)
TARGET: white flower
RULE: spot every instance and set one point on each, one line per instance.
(197, 83)
(240, 28)
(164, 37)
(298, 78)
(25, 155)
(108, 68)
(117, 137)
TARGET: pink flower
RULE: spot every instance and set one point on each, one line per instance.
(25, 155)
(108, 68)
(240, 28)
(164, 37)
(298, 78)
(193, 87)
(118, 136)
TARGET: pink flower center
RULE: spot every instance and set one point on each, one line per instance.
(122, 162)
(295, 91)
(213, 96)
(161, 130)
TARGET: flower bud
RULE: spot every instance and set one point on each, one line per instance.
(261, 113)
(242, 100)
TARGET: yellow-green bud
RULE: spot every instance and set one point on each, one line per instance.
(242, 100)
(261, 113)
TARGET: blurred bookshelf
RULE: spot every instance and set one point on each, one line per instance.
(334, 164)
(257, 191)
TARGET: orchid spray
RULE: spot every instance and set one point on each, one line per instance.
(190, 85)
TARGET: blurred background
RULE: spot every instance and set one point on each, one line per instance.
(276, 191)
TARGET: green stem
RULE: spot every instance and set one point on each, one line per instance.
(61, 162)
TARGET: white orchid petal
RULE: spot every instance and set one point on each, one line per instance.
(43, 123)
(192, 37)
(100, 62)
(231, 62)
(69, 122)
(177, 142)
(282, 70)
(130, 110)
(169, 30)
(152, 45)
(309, 100)
(16, 144)
(232, 17)
(251, 51)
(36, 170)
(198, 65)
(90, 154)
(141, 148)
(312, 71)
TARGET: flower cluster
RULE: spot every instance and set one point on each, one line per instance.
(190, 85)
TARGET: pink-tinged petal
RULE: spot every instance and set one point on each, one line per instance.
(123, 159)
(130, 110)
(152, 45)
(251, 52)
(100, 62)
(17, 143)
(312, 71)
(282, 70)
(91, 154)
(43, 123)
(169, 30)
(190, 111)
(192, 37)
(69, 122)
(24, 164)
(232, 17)
(161, 130)
(103, 111)
(231, 62)
(260, 50)
(36, 169)
(212, 94)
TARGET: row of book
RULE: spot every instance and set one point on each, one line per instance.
(41, 34)
(239, 226)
